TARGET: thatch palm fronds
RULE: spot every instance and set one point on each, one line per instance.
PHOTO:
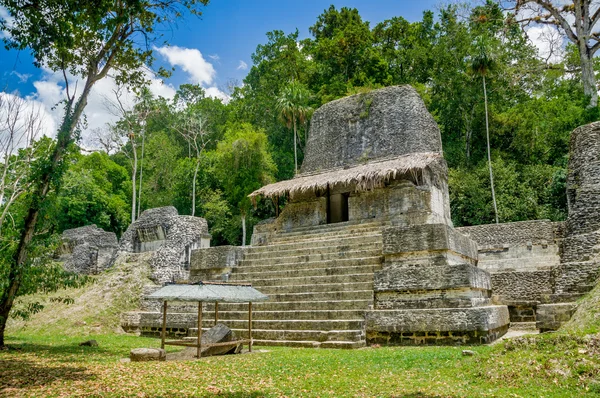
(361, 177)
(293, 108)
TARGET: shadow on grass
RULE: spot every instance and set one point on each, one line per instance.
(62, 352)
(16, 373)
(419, 395)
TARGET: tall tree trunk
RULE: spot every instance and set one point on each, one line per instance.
(194, 187)
(139, 206)
(587, 74)
(243, 228)
(295, 151)
(50, 175)
(133, 181)
(487, 131)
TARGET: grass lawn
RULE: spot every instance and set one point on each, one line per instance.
(555, 365)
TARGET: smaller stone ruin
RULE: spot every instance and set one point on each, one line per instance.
(87, 250)
(171, 237)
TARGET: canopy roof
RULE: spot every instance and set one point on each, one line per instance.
(364, 177)
(220, 292)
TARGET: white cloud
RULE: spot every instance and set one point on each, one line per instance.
(23, 77)
(50, 91)
(191, 61)
(242, 66)
(216, 93)
(24, 112)
(214, 57)
(9, 21)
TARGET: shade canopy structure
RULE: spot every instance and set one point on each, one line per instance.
(211, 292)
(362, 177)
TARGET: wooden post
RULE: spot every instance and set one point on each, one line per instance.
(163, 335)
(199, 352)
(250, 326)
(216, 312)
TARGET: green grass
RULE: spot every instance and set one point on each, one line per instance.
(555, 365)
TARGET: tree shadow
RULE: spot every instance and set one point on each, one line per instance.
(17, 373)
(59, 353)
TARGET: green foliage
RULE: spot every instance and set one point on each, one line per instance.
(523, 193)
(92, 193)
(243, 164)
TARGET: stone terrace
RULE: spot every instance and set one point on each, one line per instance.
(320, 283)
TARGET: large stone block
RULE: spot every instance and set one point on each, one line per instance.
(171, 239)
(552, 316)
(427, 238)
(388, 122)
(519, 286)
(477, 325)
(88, 250)
(410, 278)
(214, 263)
(302, 214)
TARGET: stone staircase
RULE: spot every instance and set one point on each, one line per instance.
(319, 281)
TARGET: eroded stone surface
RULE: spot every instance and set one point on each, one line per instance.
(88, 250)
(147, 354)
(387, 122)
(170, 237)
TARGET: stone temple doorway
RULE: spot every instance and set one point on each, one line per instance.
(337, 208)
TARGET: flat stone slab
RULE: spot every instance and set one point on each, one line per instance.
(438, 319)
(147, 354)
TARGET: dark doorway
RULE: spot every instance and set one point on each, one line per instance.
(337, 208)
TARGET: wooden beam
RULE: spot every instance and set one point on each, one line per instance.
(199, 351)
(250, 326)
(216, 312)
(163, 335)
(191, 343)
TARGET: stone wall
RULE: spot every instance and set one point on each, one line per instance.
(429, 290)
(580, 267)
(522, 258)
(214, 263)
(392, 121)
(171, 237)
(87, 250)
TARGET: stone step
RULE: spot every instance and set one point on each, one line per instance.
(256, 265)
(313, 280)
(336, 305)
(341, 250)
(348, 226)
(307, 258)
(287, 324)
(335, 241)
(321, 296)
(325, 287)
(283, 274)
(290, 315)
(311, 344)
(296, 335)
(190, 320)
(340, 234)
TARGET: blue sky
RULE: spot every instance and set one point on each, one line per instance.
(211, 51)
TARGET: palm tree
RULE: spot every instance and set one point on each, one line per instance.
(293, 109)
(482, 63)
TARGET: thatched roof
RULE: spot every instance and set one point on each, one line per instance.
(362, 177)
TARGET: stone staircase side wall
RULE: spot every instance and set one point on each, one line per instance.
(522, 259)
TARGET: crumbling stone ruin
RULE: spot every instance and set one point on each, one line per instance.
(170, 237)
(162, 232)
(87, 250)
(540, 268)
(364, 250)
